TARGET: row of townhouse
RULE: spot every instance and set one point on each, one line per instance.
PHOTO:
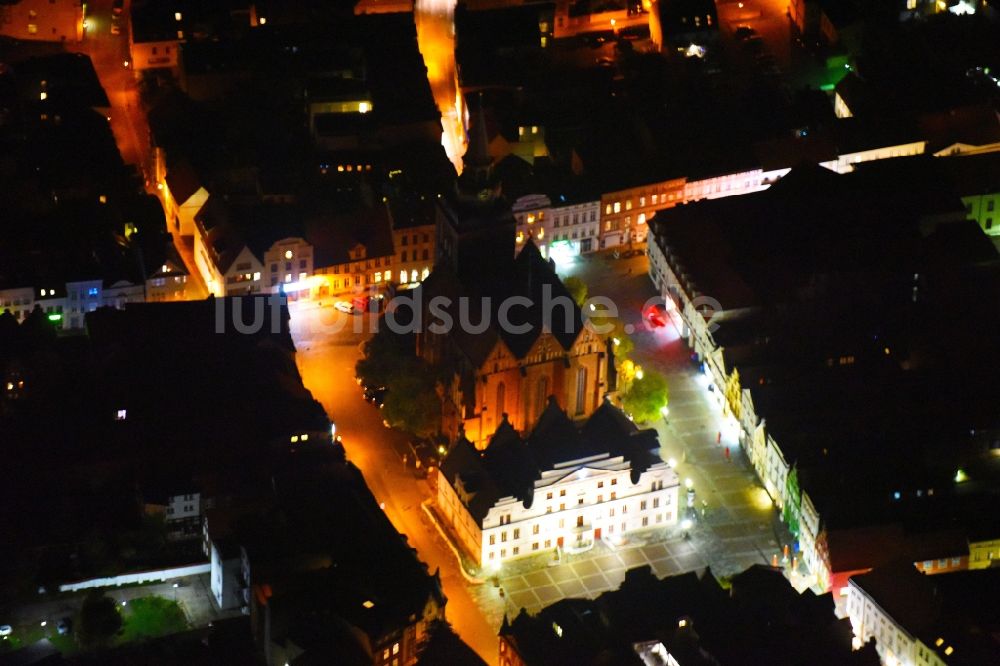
(315, 259)
(680, 243)
(67, 303)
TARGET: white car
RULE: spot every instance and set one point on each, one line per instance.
(344, 307)
(6, 630)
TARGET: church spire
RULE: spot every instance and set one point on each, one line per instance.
(477, 179)
(477, 156)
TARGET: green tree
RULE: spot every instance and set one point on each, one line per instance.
(385, 354)
(646, 396)
(577, 289)
(412, 403)
(99, 620)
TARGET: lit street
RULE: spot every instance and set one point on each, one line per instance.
(326, 361)
(734, 526)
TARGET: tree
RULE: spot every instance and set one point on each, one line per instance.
(411, 402)
(411, 399)
(577, 289)
(385, 353)
(99, 620)
(646, 396)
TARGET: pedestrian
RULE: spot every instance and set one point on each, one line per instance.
(728, 459)
(718, 437)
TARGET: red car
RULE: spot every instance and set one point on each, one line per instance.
(655, 318)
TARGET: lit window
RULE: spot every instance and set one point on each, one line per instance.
(534, 129)
(402, 277)
(388, 276)
(288, 254)
(177, 16)
(618, 207)
(425, 273)
(378, 276)
(288, 277)
(121, 414)
(413, 275)
(302, 276)
(364, 107)
(395, 648)
(256, 277)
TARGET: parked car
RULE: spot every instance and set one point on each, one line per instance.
(64, 626)
(426, 454)
(344, 306)
(376, 395)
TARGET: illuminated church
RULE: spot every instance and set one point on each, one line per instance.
(503, 370)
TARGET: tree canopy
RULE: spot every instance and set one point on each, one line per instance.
(577, 289)
(646, 396)
(99, 620)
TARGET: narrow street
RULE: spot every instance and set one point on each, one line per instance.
(110, 56)
(326, 361)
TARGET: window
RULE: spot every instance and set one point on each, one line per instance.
(645, 521)
(562, 493)
(614, 482)
(618, 207)
(656, 502)
(581, 391)
(548, 495)
(579, 521)
(579, 502)
(517, 533)
(493, 539)
(642, 505)
(614, 495)
(562, 507)
(600, 498)
(534, 528)
(534, 546)
(548, 543)
(600, 484)
(517, 549)
(503, 537)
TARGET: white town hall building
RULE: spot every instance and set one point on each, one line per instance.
(560, 487)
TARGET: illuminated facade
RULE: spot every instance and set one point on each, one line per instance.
(43, 20)
(558, 230)
(414, 258)
(558, 488)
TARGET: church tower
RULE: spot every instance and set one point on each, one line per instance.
(475, 226)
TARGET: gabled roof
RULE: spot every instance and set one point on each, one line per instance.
(555, 439)
(463, 466)
(510, 464)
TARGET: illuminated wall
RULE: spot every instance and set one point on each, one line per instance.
(43, 20)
